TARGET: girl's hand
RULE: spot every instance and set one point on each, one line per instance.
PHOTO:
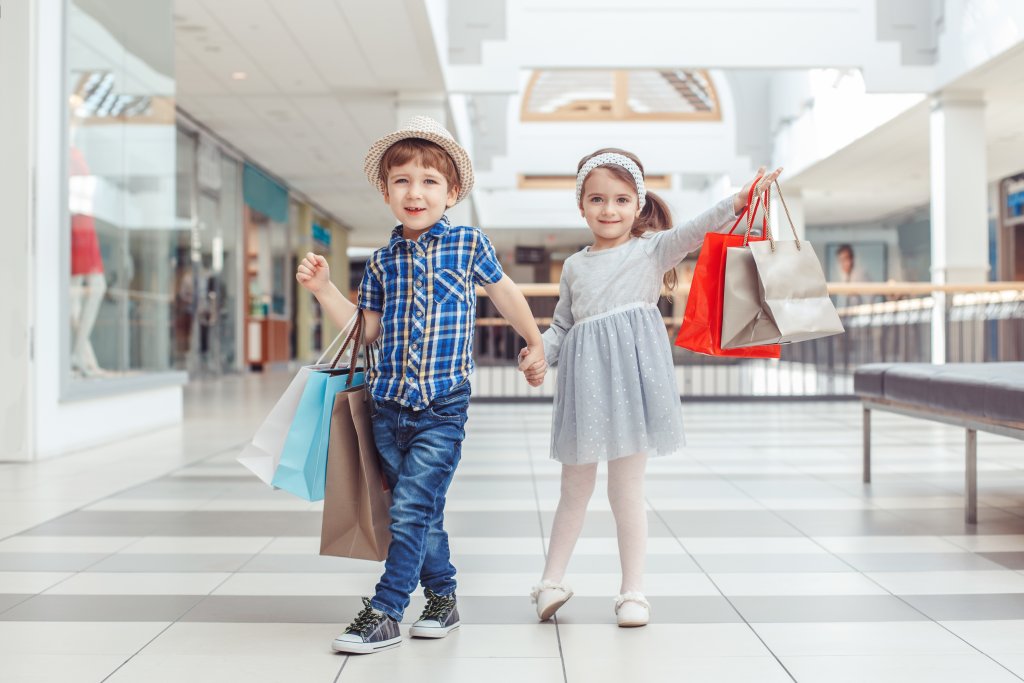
(313, 273)
(533, 365)
(763, 181)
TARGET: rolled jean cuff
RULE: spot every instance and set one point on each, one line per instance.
(390, 611)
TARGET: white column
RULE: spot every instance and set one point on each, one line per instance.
(16, 38)
(959, 198)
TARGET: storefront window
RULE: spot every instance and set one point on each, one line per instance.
(121, 187)
(204, 336)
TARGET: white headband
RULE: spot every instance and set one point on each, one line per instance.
(619, 160)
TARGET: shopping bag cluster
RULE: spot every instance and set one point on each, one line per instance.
(752, 293)
(317, 444)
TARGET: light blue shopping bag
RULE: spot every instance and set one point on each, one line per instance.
(303, 467)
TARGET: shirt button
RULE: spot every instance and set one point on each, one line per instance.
(419, 314)
(419, 283)
(415, 345)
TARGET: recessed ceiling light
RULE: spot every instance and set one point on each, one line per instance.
(239, 75)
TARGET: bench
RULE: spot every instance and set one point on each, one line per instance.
(987, 397)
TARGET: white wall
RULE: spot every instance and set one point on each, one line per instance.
(62, 425)
(15, 262)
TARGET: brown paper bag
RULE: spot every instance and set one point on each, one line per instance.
(357, 501)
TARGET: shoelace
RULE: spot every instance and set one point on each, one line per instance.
(437, 605)
(366, 620)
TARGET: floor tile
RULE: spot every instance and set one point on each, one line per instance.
(48, 562)
(825, 608)
(400, 665)
(860, 638)
(949, 582)
(30, 582)
(267, 668)
(60, 668)
(920, 562)
(672, 670)
(660, 640)
(765, 563)
(139, 562)
(795, 584)
(66, 544)
(991, 637)
(970, 607)
(129, 583)
(976, 668)
(84, 638)
(115, 608)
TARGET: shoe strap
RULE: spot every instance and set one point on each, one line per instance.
(631, 596)
(547, 585)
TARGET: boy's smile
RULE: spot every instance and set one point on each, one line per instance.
(418, 196)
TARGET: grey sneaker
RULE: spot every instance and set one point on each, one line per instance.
(372, 631)
(440, 617)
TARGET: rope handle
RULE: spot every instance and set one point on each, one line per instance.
(344, 330)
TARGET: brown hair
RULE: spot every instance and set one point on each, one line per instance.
(654, 217)
(426, 153)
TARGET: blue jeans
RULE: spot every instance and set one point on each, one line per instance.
(419, 451)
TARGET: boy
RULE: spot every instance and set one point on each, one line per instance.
(418, 298)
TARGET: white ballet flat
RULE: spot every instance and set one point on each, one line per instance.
(632, 609)
(549, 597)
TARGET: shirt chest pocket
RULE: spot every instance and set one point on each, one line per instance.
(449, 287)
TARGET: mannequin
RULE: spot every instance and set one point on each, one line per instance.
(88, 283)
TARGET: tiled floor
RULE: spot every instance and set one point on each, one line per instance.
(161, 559)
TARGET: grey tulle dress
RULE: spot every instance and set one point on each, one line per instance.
(616, 392)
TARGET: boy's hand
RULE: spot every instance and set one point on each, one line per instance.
(313, 273)
(763, 183)
(533, 365)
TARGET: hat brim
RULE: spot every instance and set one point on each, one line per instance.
(463, 165)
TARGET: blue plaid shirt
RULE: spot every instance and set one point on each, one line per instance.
(424, 291)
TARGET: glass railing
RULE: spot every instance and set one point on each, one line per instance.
(891, 322)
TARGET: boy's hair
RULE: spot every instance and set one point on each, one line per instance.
(655, 216)
(425, 153)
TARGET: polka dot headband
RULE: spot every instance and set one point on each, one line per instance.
(619, 160)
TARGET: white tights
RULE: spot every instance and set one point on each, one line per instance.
(626, 495)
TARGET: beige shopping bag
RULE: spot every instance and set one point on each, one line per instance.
(357, 501)
(775, 293)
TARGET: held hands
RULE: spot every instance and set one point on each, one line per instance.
(533, 365)
(765, 182)
(313, 273)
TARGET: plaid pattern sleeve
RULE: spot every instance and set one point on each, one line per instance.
(486, 269)
(371, 293)
(425, 291)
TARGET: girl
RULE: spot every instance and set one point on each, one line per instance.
(616, 397)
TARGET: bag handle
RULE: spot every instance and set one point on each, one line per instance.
(766, 230)
(788, 217)
(746, 209)
(357, 325)
(356, 338)
(344, 330)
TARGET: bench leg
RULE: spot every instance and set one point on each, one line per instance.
(971, 508)
(866, 438)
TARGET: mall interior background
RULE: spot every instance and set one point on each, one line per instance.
(164, 168)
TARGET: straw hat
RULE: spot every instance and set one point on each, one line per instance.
(425, 128)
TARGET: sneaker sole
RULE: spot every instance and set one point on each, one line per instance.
(432, 632)
(550, 610)
(365, 648)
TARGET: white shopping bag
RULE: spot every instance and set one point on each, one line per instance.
(262, 455)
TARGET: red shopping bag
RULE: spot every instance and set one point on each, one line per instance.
(701, 330)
